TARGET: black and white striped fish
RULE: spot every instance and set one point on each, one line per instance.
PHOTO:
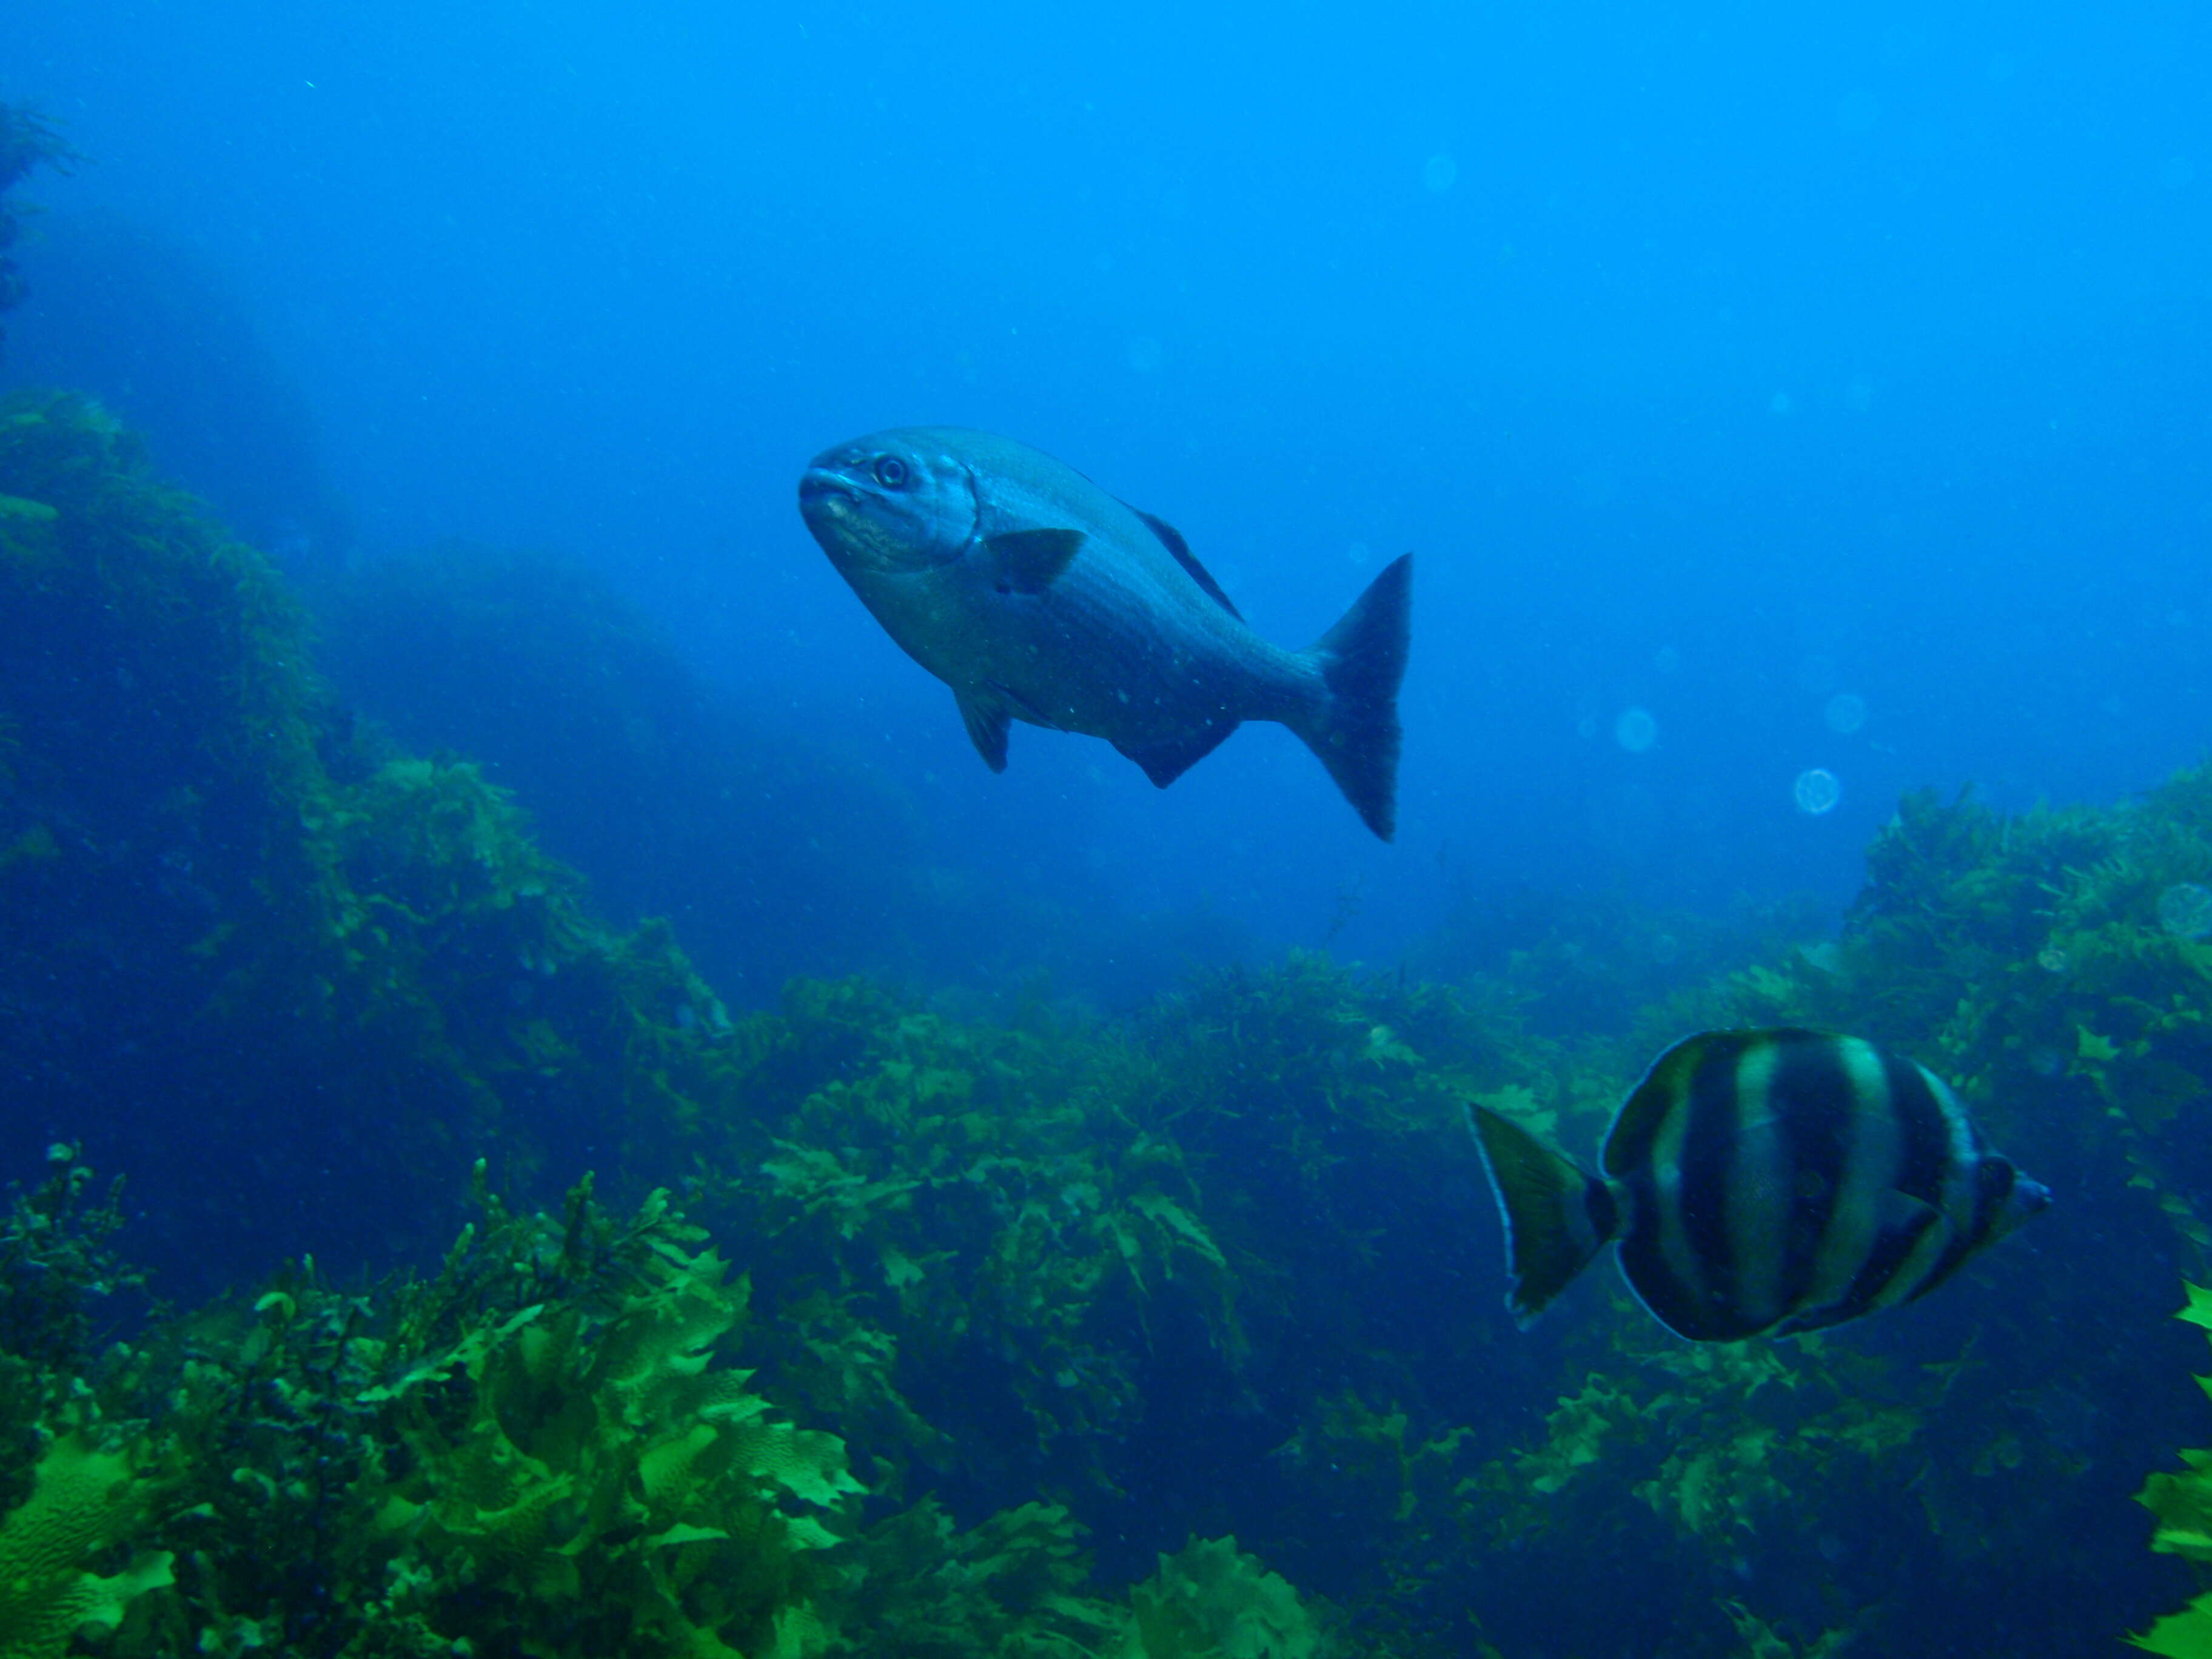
(1762, 1180)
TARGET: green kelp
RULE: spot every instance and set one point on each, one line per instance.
(544, 1449)
(70, 1480)
(540, 1450)
(2182, 1505)
(1211, 1601)
(964, 1232)
(83, 1497)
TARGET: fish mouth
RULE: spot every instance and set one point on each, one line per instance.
(825, 486)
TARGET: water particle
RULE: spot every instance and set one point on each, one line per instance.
(1817, 790)
(1844, 713)
(1439, 173)
(1635, 730)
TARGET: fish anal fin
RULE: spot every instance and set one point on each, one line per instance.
(1163, 762)
(986, 721)
(1557, 1215)
(1030, 561)
(1171, 538)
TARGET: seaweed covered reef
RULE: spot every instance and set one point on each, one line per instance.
(539, 668)
(28, 142)
(884, 1327)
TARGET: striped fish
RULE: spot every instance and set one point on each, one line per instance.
(1762, 1180)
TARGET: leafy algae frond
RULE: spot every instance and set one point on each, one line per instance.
(82, 1499)
(2182, 1505)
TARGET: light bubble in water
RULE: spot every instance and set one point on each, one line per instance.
(1817, 790)
(1439, 173)
(1360, 554)
(1845, 713)
(2185, 909)
(1635, 730)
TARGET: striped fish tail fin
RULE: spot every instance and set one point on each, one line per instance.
(1557, 1215)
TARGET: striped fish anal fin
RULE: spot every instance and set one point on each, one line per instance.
(1030, 561)
(986, 723)
(1557, 1216)
(1163, 762)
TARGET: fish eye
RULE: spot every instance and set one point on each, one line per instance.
(891, 472)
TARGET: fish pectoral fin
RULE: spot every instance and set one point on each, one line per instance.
(1163, 762)
(1030, 561)
(1902, 1212)
(987, 722)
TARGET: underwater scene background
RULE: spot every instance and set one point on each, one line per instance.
(552, 1106)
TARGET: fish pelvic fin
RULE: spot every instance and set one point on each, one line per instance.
(1354, 729)
(986, 721)
(1557, 1215)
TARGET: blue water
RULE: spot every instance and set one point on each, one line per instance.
(1717, 361)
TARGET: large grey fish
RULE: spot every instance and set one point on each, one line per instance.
(1038, 597)
(1779, 1180)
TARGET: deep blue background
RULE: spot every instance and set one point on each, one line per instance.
(1715, 358)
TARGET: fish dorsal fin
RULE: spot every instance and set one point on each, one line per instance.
(1171, 538)
(1163, 762)
(986, 721)
(1030, 561)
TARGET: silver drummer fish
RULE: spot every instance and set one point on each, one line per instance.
(1038, 597)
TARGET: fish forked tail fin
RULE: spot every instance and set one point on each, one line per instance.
(1557, 1215)
(1354, 731)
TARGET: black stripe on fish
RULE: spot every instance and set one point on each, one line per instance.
(1994, 1179)
(1810, 1078)
(1913, 1199)
(1651, 1150)
(1715, 1106)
